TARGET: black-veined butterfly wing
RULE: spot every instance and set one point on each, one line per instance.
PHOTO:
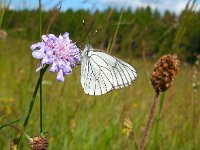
(101, 73)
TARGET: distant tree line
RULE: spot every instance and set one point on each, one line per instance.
(144, 31)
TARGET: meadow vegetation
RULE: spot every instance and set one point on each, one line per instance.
(74, 120)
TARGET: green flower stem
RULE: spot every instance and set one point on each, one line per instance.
(116, 32)
(32, 103)
(41, 72)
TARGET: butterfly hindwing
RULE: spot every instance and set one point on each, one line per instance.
(122, 73)
(126, 72)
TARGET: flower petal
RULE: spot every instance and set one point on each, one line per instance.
(60, 37)
(38, 54)
(52, 36)
(39, 68)
(66, 68)
(38, 45)
(66, 35)
(45, 60)
(60, 76)
(44, 38)
(53, 68)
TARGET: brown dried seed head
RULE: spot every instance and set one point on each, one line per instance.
(164, 72)
(39, 143)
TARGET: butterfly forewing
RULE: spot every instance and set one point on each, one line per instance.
(100, 73)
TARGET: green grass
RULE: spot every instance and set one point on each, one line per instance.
(76, 121)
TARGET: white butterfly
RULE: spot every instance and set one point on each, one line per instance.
(101, 73)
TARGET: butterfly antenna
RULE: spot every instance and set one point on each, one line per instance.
(89, 38)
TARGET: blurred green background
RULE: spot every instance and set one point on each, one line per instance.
(74, 120)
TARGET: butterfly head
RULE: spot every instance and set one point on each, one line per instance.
(87, 50)
(88, 47)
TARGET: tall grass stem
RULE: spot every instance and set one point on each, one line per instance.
(19, 130)
(40, 18)
(116, 32)
(135, 140)
(2, 11)
(40, 27)
(53, 19)
(194, 120)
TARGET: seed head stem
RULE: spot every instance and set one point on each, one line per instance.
(41, 72)
(150, 119)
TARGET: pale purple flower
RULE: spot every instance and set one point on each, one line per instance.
(58, 52)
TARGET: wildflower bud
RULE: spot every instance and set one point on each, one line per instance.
(127, 127)
(13, 144)
(164, 72)
(38, 143)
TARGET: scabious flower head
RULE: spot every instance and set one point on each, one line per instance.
(59, 52)
(164, 72)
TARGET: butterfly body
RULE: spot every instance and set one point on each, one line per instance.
(101, 72)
